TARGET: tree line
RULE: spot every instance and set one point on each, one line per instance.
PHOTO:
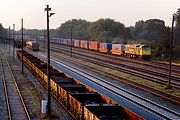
(152, 32)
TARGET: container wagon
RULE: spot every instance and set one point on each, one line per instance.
(65, 41)
(118, 49)
(77, 43)
(84, 44)
(70, 42)
(94, 46)
(105, 47)
(82, 101)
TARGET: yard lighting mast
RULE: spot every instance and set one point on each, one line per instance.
(22, 44)
(13, 39)
(48, 58)
(71, 41)
(170, 55)
(9, 37)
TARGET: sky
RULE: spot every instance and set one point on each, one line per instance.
(127, 12)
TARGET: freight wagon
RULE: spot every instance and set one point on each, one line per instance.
(32, 45)
(94, 45)
(84, 44)
(82, 101)
(18, 43)
(105, 47)
(77, 43)
(70, 42)
(118, 49)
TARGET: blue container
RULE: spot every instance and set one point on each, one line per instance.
(109, 46)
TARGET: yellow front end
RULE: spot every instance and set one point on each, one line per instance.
(145, 52)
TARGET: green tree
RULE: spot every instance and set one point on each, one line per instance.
(149, 30)
(79, 29)
(164, 41)
(105, 26)
(2, 32)
(105, 36)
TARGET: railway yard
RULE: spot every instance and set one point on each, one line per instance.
(86, 85)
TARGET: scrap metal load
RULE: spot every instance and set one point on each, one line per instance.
(32, 45)
(81, 101)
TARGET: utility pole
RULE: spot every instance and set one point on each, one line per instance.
(22, 44)
(48, 57)
(170, 55)
(9, 38)
(44, 38)
(13, 39)
(71, 42)
(6, 37)
(36, 36)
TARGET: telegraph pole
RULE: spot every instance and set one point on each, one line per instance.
(22, 44)
(13, 39)
(9, 37)
(71, 42)
(48, 58)
(44, 38)
(170, 56)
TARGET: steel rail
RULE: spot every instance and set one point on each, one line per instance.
(17, 89)
(79, 72)
(162, 94)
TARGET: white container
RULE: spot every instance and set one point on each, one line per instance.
(43, 107)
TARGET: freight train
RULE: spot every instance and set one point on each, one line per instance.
(32, 45)
(81, 101)
(18, 43)
(128, 50)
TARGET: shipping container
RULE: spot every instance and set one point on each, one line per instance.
(69, 42)
(77, 43)
(118, 49)
(94, 45)
(65, 41)
(84, 44)
(105, 47)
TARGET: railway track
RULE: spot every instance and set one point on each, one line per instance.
(161, 111)
(16, 108)
(155, 64)
(161, 67)
(144, 73)
(159, 93)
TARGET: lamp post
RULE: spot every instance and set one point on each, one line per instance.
(47, 9)
(22, 44)
(170, 55)
(13, 39)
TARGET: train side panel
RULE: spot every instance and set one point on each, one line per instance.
(94, 45)
(77, 43)
(118, 49)
(70, 42)
(84, 44)
(105, 47)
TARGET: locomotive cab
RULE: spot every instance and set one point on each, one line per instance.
(145, 52)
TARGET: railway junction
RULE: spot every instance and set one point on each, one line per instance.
(142, 101)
